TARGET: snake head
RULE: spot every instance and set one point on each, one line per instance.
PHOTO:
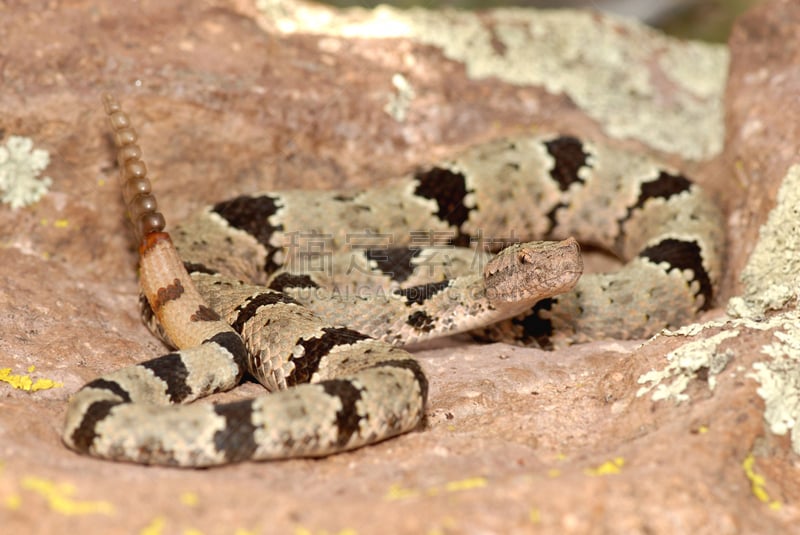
(533, 271)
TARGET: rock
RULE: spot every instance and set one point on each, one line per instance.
(232, 97)
(763, 120)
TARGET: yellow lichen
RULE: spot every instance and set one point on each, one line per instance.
(189, 498)
(466, 484)
(59, 498)
(758, 482)
(20, 382)
(45, 384)
(300, 530)
(13, 502)
(155, 527)
(24, 382)
(397, 492)
(613, 466)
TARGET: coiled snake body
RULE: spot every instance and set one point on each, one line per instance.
(330, 358)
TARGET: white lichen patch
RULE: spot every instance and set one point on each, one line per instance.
(610, 67)
(770, 282)
(779, 379)
(400, 101)
(20, 166)
(684, 364)
(693, 329)
(772, 274)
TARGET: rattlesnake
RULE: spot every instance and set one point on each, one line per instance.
(339, 379)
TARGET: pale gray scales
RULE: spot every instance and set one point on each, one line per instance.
(544, 187)
(338, 378)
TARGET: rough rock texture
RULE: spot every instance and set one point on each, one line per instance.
(675, 435)
(763, 115)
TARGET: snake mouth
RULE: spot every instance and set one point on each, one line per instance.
(565, 280)
(527, 294)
